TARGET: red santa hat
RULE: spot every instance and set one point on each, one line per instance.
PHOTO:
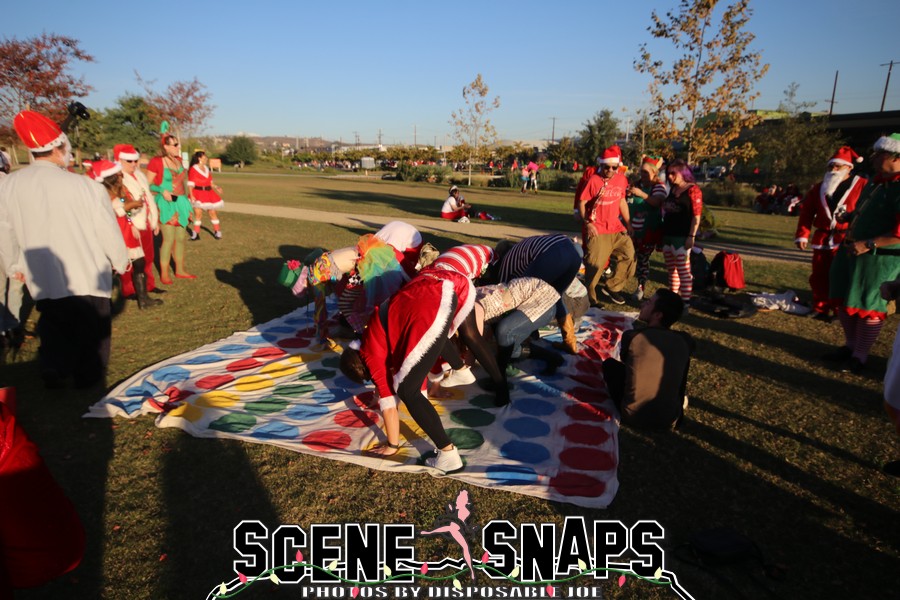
(610, 156)
(37, 132)
(845, 155)
(125, 152)
(101, 169)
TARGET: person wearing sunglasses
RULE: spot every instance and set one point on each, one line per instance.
(606, 228)
(167, 177)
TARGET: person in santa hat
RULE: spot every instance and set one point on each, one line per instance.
(126, 209)
(869, 256)
(602, 209)
(58, 234)
(407, 336)
(823, 209)
(144, 218)
(205, 195)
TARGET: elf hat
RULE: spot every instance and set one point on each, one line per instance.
(654, 161)
(37, 132)
(610, 156)
(889, 143)
(101, 169)
(845, 155)
(125, 152)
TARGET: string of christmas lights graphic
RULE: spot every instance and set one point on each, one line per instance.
(243, 582)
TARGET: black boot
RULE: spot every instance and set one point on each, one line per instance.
(140, 292)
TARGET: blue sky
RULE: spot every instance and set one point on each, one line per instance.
(337, 70)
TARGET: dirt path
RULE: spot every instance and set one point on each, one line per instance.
(490, 230)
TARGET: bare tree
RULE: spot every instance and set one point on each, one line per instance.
(184, 103)
(472, 127)
(702, 99)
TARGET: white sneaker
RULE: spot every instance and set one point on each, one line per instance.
(445, 460)
(462, 376)
(639, 293)
(218, 235)
(463, 220)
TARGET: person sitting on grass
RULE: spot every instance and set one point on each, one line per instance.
(648, 384)
(455, 207)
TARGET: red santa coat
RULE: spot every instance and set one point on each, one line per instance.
(815, 213)
(416, 315)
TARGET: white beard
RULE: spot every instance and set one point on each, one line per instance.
(831, 181)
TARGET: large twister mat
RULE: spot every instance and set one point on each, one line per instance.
(557, 439)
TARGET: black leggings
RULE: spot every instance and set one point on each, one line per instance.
(410, 390)
(474, 341)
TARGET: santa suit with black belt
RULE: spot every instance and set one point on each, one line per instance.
(818, 217)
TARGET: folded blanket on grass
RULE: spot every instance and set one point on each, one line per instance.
(557, 439)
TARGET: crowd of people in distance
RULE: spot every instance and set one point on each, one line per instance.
(778, 200)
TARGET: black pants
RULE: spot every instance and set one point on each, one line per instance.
(75, 337)
(410, 389)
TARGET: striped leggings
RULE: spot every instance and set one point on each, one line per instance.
(678, 264)
(859, 333)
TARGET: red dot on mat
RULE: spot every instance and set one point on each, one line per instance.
(577, 484)
(587, 459)
(242, 365)
(323, 441)
(211, 382)
(356, 418)
(581, 433)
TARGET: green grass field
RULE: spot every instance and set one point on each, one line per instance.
(776, 445)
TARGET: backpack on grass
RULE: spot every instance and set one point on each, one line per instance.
(727, 271)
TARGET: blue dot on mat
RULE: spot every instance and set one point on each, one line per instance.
(265, 338)
(203, 359)
(142, 391)
(171, 374)
(534, 406)
(525, 452)
(539, 389)
(512, 474)
(527, 427)
(276, 431)
(307, 412)
(233, 348)
(279, 329)
(327, 396)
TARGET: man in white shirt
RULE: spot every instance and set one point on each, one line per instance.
(58, 234)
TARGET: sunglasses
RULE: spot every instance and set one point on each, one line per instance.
(609, 167)
(130, 161)
(174, 144)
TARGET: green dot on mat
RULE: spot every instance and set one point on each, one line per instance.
(294, 389)
(332, 362)
(319, 374)
(235, 423)
(267, 406)
(483, 401)
(465, 438)
(472, 417)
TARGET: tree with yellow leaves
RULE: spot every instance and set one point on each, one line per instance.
(702, 98)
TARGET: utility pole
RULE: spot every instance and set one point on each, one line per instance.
(833, 92)
(890, 67)
(415, 139)
(379, 138)
(553, 131)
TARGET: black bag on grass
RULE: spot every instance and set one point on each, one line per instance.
(724, 306)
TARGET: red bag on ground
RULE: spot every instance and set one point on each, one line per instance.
(728, 269)
(41, 536)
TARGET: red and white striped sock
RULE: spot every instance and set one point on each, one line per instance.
(867, 331)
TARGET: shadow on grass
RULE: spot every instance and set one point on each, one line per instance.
(209, 487)
(77, 451)
(703, 468)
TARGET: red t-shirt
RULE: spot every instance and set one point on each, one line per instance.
(603, 198)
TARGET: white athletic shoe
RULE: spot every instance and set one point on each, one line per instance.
(462, 376)
(463, 220)
(445, 460)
